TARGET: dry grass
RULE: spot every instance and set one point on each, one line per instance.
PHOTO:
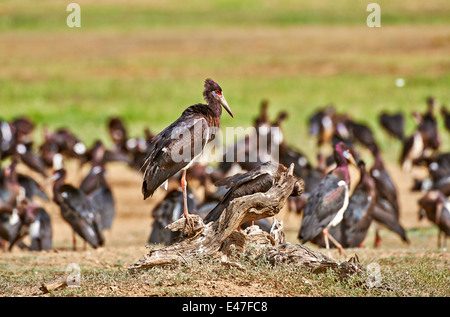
(418, 269)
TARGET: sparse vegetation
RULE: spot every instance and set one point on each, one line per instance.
(402, 276)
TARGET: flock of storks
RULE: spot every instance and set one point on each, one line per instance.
(337, 208)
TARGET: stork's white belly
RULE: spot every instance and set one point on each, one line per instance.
(340, 215)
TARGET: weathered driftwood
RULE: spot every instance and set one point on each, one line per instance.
(220, 238)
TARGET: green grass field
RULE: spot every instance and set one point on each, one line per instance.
(146, 61)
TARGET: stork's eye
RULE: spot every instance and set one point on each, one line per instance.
(218, 92)
(347, 154)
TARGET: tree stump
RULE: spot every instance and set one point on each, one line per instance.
(216, 238)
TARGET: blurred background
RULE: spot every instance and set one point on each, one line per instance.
(146, 61)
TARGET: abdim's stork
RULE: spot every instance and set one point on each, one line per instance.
(189, 133)
(436, 207)
(258, 180)
(76, 209)
(329, 200)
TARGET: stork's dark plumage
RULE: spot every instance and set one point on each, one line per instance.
(258, 180)
(118, 134)
(41, 232)
(97, 189)
(386, 208)
(252, 150)
(352, 230)
(329, 200)
(30, 185)
(424, 140)
(14, 225)
(393, 124)
(438, 178)
(436, 208)
(322, 124)
(77, 211)
(428, 126)
(446, 116)
(177, 146)
(62, 141)
(166, 212)
(360, 132)
(263, 118)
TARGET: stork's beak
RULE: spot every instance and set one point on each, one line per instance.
(224, 103)
(48, 180)
(348, 155)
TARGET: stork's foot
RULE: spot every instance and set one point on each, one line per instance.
(341, 251)
(189, 223)
(327, 236)
(188, 226)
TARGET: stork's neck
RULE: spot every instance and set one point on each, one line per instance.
(59, 182)
(343, 173)
(214, 105)
(378, 163)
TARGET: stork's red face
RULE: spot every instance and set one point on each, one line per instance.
(346, 153)
(217, 94)
(349, 157)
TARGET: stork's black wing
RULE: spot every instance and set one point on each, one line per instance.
(102, 200)
(238, 179)
(385, 214)
(323, 205)
(393, 124)
(173, 149)
(41, 239)
(244, 187)
(32, 188)
(78, 212)
(357, 218)
(385, 188)
(260, 179)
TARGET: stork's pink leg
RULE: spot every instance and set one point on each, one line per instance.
(184, 188)
(74, 240)
(377, 242)
(327, 236)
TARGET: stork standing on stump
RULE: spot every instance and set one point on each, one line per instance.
(190, 133)
(328, 202)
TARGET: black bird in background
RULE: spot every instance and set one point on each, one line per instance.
(436, 208)
(97, 189)
(386, 208)
(424, 140)
(446, 116)
(258, 180)
(191, 132)
(358, 216)
(326, 206)
(41, 231)
(166, 212)
(393, 124)
(77, 210)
